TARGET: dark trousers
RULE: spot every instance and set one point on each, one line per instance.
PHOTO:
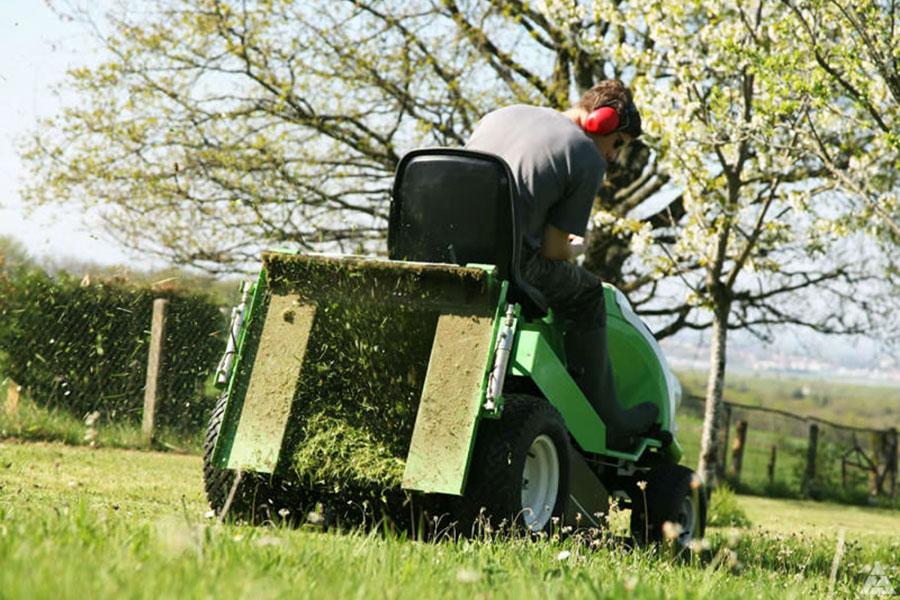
(573, 292)
(576, 295)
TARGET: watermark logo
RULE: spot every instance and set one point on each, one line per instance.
(877, 583)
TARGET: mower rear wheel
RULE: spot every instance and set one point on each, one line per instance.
(674, 495)
(257, 498)
(520, 467)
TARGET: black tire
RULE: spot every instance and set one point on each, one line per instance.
(257, 498)
(494, 493)
(674, 494)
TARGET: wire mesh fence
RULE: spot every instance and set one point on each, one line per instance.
(776, 452)
(82, 346)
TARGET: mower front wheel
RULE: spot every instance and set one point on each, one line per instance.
(256, 498)
(671, 507)
(520, 467)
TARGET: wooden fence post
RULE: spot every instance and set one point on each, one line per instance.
(810, 473)
(723, 432)
(844, 471)
(883, 478)
(12, 398)
(154, 365)
(770, 468)
(891, 457)
(737, 449)
(875, 440)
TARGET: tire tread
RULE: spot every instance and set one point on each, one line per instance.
(493, 483)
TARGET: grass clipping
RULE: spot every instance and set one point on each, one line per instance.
(336, 452)
(355, 403)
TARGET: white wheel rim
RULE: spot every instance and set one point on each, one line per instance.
(540, 483)
(686, 519)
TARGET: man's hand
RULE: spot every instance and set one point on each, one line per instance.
(576, 245)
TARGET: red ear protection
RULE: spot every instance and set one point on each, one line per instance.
(601, 121)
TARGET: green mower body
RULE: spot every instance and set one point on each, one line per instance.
(274, 358)
(361, 376)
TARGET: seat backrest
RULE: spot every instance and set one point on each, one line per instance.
(457, 206)
(454, 206)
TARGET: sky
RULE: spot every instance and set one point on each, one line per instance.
(36, 49)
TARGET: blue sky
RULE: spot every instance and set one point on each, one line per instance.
(36, 48)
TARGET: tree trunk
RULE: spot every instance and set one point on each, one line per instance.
(712, 417)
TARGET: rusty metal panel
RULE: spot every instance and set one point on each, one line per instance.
(273, 381)
(451, 400)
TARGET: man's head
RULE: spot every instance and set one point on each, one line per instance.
(614, 94)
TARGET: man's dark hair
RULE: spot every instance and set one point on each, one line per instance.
(614, 93)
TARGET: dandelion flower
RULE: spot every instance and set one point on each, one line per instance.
(671, 530)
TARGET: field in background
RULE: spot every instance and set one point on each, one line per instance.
(788, 466)
(876, 406)
(77, 522)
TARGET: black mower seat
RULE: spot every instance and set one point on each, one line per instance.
(456, 206)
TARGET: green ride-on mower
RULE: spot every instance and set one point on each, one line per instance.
(438, 378)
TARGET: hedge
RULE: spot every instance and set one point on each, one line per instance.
(81, 346)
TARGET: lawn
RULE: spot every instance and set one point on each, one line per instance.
(36, 423)
(788, 516)
(77, 522)
(842, 402)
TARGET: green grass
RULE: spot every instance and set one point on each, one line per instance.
(77, 522)
(35, 423)
(725, 509)
(789, 516)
